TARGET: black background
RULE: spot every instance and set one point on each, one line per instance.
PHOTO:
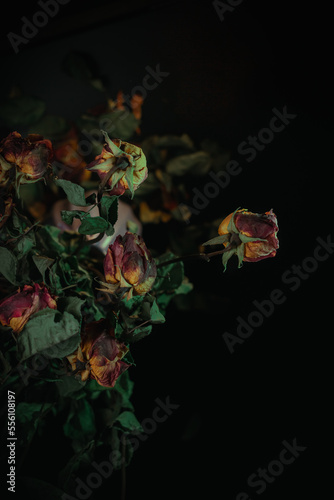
(225, 78)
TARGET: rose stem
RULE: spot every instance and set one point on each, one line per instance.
(99, 196)
(204, 256)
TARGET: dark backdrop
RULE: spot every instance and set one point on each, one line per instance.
(225, 78)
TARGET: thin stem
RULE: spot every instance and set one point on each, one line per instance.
(99, 196)
(139, 326)
(204, 256)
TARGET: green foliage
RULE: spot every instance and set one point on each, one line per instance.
(50, 333)
(74, 192)
(42, 361)
(8, 265)
(170, 281)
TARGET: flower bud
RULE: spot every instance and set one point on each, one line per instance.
(99, 355)
(255, 234)
(122, 166)
(129, 266)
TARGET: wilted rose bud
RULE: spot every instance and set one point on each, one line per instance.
(122, 166)
(16, 310)
(6, 206)
(99, 355)
(129, 266)
(30, 156)
(251, 236)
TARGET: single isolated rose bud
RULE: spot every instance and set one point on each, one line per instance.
(30, 156)
(16, 310)
(121, 166)
(252, 237)
(99, 355)
(6, 206)
(129, 266)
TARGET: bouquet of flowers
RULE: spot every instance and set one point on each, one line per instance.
(76, 295)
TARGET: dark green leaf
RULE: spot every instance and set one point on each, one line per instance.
(169, 276)
(70, 386)
(71, 305)
(27, 415)
(109, 208)
(25, 244)
(42, 264)
(124, 385)
(93, 225)
(127, 422)
(139, 333)
(68, 215)
(156, 316)
(21, 111)
(197, 163)
(75, 193)
(48, 238)
(8, 265)
(50, 333)
(80, 423)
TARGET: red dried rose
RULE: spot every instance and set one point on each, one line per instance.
(16, 310)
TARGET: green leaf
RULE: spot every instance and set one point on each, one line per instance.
(48, 237)
(124, 385)
(197, 163)
(21, 111)
(71, 305)
(28, 417)
(42, 264)
(25, 244)
(127, 422)
(51, 333)
(140, 333)
(169, 276)
(69, 386)
(75, 193)
(80, 423)
(109, 208)
(109, 212)
(8, 265)
(68, 215)
(156, 316)
(93, 225)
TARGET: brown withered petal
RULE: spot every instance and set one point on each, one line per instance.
(100, 354)
(31, 155)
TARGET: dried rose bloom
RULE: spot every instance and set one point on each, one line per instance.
(129, 266)
(16, 310)
(99, 355)
(30, 156)
(122, 166)
(251, 236)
